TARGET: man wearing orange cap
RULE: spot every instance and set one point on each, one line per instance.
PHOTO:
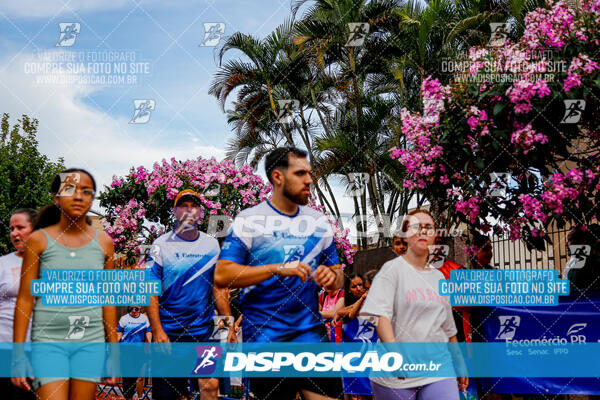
(184, 261)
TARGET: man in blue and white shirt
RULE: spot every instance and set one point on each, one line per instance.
(281, 253)
(133, 327)
(184, 261)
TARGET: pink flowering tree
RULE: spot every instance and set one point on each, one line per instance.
(500, 148)
(345, 250)
(139, 205)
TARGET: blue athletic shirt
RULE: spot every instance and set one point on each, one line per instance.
(133, 329)
(186, 269)
(280, 309)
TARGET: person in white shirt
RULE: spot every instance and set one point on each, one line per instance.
(404, 296)
(21, 225)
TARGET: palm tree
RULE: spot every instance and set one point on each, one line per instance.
(349, 96)
(275, 71)
(351, 142)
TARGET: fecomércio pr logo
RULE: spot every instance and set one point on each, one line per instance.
(574, 332)
(207, 359)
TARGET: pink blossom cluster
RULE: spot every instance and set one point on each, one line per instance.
(479, 124)
(224, 190)
(420, 153)
(515, 227)
(128, 220)
(527, 137)
(535, 232)
(471, 250)
(549, 27)
(580, 66)
(116, 181)
(342, 243)
(206, 175)
(469, 207)
(562, 188)
(549, 32)
(221, 186)
(522, 91)
(512, 58)
(477, 118)
(493, 60)
(434, 94)
(593, 7)
(139, 175)
(533, 208)
(476, 53)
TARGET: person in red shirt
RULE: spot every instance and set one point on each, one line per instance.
(481, 260)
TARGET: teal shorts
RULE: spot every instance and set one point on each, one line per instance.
(53, 362)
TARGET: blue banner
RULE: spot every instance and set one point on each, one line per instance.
(514, 359)
(574, 323)
(358, 330)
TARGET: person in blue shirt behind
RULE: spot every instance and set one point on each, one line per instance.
(184, 261)
(281, 252)
(133, 327)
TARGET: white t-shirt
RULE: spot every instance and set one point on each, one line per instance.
(409, 298)
(10, 277)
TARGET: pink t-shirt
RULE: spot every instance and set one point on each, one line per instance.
(329, 302)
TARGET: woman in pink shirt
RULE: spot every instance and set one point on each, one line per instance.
(330, 302)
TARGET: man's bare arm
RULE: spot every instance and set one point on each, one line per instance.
(230, 274)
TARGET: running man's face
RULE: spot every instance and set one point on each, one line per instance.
(20, 229)
(297, 180)
(75, 195)
(421, 233)
(187, 213)
(134, 311)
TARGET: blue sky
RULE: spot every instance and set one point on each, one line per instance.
(87, 123)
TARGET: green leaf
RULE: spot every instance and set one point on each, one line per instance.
(498, 108)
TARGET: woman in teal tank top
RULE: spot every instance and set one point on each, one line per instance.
(62, 239)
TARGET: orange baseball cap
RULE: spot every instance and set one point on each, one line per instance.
(187, 193)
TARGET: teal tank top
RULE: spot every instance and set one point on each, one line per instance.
(68, 323)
